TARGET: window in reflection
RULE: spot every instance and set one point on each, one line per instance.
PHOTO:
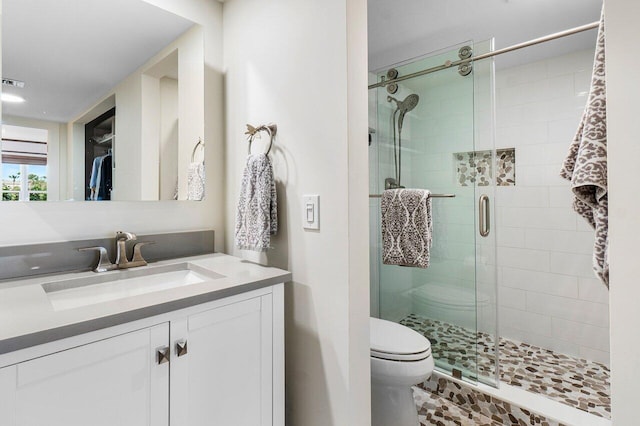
(24, 163)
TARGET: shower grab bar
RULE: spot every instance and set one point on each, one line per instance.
(432, 195)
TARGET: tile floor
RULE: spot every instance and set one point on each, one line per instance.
(436, 410)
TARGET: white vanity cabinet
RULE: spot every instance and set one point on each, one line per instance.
(114, 381)
(226, 367)
(225, 378)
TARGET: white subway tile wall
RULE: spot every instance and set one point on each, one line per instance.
(548, 294)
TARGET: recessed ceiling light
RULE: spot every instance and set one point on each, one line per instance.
(12, 82)
(6, 97)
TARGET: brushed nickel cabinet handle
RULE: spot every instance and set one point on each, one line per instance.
(484, 216)
(181, 348)
(162, 355)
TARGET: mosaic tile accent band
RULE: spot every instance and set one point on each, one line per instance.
(579, 383)
(476, 167)
(506, 167)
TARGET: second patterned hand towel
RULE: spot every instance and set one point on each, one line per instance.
(406, 227)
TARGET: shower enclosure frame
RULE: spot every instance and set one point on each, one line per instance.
(395, 79)
(492, 378)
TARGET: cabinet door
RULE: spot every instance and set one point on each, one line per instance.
(225, 379)
(112, 382)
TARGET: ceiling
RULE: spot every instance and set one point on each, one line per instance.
(70, 53)
(403, 29)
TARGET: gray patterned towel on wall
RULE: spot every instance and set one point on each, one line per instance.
(257, 216)
(586, 164)
(406, 227)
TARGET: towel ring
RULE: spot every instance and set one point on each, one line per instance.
(193, 153)
(271, 129)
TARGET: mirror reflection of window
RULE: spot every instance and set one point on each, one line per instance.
(24, 163)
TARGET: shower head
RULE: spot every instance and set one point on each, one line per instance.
(404, 107)
(407, 105)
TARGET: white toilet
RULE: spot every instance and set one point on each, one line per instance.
(400, 358)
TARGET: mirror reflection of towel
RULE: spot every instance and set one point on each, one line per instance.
(406, 227)
(195, 181)
(256, 217)
(195, 176)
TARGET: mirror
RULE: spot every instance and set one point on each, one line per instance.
(102, 100)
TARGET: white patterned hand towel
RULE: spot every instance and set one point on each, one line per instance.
(586, 164)
(406, 227)
(256, 217)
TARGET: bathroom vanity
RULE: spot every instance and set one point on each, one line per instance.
(191, 341)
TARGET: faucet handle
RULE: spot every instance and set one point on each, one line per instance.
(127, 236)
(104, 264)
(137, 252)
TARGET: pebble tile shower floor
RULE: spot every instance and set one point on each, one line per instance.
(572, 381)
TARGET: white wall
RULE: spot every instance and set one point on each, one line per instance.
(45, 222)
(374, 205)
(302, 65)
(150, 141)
(128, 145)
(623, 92)
(168, 147)
(549, 295)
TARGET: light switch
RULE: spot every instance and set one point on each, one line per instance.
(311, 211)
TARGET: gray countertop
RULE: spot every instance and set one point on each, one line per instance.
(28, 318)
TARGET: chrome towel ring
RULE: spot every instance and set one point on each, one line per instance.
(252, 131)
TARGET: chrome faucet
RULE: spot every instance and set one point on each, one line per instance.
(121, 251)
(122, 261)
(121, 248)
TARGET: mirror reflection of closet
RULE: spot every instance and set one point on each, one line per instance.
(99, 164)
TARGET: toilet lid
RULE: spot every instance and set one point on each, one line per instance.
(393, 341)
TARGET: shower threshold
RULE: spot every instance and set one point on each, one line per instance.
(578, 383)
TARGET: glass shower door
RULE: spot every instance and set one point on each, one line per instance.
(425, 138)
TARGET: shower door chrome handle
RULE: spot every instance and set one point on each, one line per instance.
(484, 216)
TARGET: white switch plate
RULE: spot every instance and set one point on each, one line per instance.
(311, 211)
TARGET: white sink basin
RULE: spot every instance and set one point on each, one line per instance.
(108, 286)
